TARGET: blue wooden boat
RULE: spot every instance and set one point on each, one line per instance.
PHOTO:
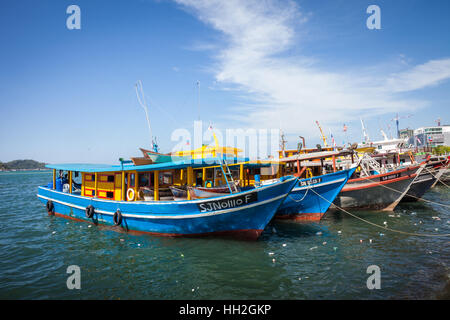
(311, 198)
(243, 214)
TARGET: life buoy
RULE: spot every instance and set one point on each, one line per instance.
(130, 194)
(50, 207)
(90, 211)
(117, 218)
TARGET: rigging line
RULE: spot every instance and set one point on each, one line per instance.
(382, 227)
(410, 195)
(438, 178)
(152, 102)
(144, 106)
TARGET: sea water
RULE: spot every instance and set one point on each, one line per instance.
(326, 260)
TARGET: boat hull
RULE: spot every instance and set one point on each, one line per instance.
(381, 192)
(311, 198)
(424, 181)
(242, 215)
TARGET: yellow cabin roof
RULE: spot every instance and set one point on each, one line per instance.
(208, 151)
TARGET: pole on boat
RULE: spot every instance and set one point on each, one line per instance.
(70, 181)
(156, 186)
(123, 185)
(96, 185)
(122, 180)
(189, 180)
(334, 163)
(241, 173)
(54, 179)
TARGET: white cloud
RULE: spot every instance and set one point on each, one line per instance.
(428, 74)
(294, 91)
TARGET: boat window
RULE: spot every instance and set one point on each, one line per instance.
(144, 179)
(110, 194)
(132, 180)
(110, 178)
(165, 178)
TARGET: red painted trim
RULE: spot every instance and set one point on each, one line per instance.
(374, 184)
(384, 174)
(245, 234)
(102, 190)
(307, 216)
(87, 195)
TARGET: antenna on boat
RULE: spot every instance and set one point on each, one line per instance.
(139, 87)
(198, 99)
(366, 136)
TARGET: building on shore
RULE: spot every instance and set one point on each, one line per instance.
(429, 136)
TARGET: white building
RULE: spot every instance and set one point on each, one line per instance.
(431, 136)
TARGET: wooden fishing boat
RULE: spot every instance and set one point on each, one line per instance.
(140, 161)
(157, 157)
(179, 192)
(423, 182)
(108, 197)
(311, 197)
(441, 166)
(204, 192)
(379, 191)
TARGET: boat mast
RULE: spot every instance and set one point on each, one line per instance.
(198, 99)
(366, 136)
(139, 87)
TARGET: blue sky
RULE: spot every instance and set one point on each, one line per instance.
(68, 95)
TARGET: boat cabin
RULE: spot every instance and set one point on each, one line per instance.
(130, 182)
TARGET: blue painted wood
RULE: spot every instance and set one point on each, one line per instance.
(302, 201)
(239, 212)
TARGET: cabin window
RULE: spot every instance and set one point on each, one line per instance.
(165, 178)
(89, 177)
(110, 194)
(110, 178)
(144, 180)
(209, 174)
(132, 180)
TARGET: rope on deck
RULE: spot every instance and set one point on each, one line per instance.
(383, 227)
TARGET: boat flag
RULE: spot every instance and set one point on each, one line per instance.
(345, 128)
(418, 140)
(332, 140)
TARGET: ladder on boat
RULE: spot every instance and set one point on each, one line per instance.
(224, 166)
(228, 175)
(371, 163)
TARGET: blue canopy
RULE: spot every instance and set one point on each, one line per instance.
(182, 164)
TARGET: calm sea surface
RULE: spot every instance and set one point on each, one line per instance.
(325, 260)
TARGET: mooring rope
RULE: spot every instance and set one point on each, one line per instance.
(304, 196)
(437, 178)
(382, 227)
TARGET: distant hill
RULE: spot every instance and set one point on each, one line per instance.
(21, 165)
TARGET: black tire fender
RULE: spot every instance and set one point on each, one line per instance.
(90, 211)
(50, 207)
(117, 218)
